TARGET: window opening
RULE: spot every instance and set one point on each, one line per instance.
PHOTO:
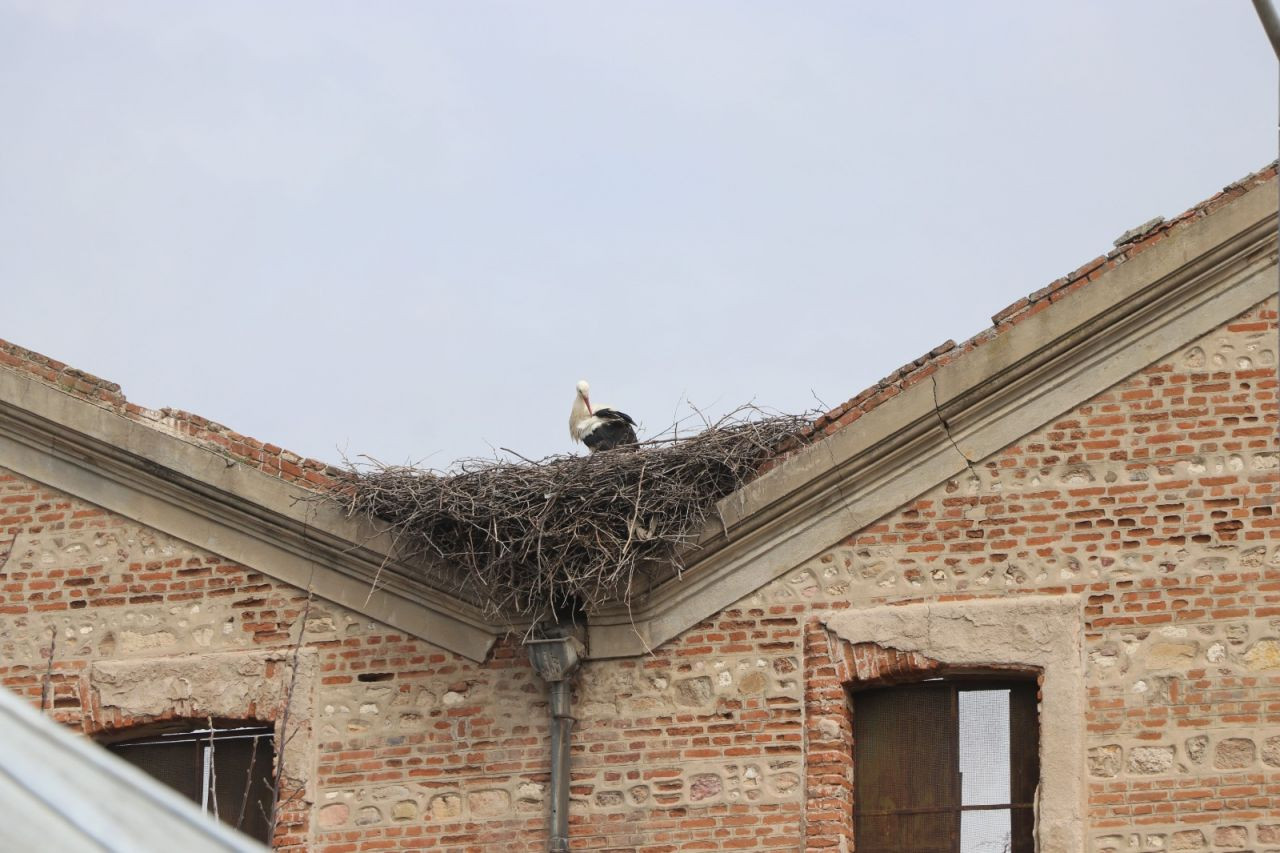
(226, 769)
(946, 767)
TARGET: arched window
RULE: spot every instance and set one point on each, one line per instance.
(944, 766)
(226, 768)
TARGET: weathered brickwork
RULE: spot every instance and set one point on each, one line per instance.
(1156, 501)
(1153, 501)
(405, 745)
(393, 744)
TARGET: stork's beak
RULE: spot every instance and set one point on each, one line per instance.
(587, 400)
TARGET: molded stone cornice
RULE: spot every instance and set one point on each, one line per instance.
(1197, 279)
(211, 501)
(1047, 363)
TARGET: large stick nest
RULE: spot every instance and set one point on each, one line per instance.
(532, 537)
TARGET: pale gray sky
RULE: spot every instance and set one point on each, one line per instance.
(406, 229)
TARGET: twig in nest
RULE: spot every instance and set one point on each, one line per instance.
(530, 535)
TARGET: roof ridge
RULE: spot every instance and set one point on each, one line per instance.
(187, 426)
(1127, 246)
(292, 467)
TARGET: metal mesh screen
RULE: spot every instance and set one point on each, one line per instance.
(232, 773)
(987, 831)
(178, 765)
(234, 759)
(984, 746)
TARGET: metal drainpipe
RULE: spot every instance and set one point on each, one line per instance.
(561, 727)
(556, 660)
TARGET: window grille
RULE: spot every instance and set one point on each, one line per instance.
(229, 774)
(946, 767)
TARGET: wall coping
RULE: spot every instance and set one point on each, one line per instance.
(228, 508)
(1213, 269)
(1183, 287)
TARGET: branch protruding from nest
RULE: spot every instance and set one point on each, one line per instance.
(532, 535)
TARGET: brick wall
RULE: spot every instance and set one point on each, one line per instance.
(405, 744)
(1154, 501)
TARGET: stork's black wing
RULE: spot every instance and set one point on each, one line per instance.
(618, 430)
(614, 415)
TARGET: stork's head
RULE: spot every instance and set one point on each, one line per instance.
(584, 391)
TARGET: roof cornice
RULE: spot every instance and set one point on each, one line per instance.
(226, 508)
(1198, 278)
(1201, 276)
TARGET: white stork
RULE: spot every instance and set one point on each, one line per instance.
(601, 428)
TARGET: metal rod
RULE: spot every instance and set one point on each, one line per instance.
(1270, 22)
(1004, 807)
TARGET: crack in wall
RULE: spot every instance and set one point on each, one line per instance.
(937, 410)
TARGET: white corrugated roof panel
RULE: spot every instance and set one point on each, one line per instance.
(65, 793)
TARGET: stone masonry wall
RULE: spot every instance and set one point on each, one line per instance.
(395, 744)
(1153, 501)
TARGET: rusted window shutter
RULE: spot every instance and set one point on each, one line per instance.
(1024, 740)
(906, 787)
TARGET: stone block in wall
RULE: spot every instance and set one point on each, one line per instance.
(1234, 753)
(250, 685)
(1106, 761)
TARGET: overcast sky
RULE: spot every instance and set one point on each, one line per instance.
(406, 229)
